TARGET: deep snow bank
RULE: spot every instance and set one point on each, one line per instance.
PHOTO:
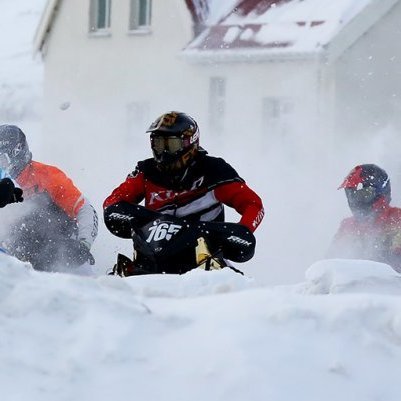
(201, 336)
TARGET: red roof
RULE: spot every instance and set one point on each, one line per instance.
(298, 26)
(240, 34)
(215, 39)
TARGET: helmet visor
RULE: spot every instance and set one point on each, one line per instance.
(169, 144)
(362, 196)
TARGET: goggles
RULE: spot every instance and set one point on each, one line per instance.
(169, 144)
(360, 196)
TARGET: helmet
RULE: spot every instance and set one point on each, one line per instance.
(14, 150)
(364, 186)
(174, 138)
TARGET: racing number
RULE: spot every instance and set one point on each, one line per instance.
(162, 231)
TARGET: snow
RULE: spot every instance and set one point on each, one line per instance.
(340, 11)
(204, 335)
(219, 9)
(20, 73)
(280, 23)
(304, 25)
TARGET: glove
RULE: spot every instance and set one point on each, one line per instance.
(9, 193)
(77, 252)
(18, 195)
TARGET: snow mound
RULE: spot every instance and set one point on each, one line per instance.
(194, 283)
(67, 337)
(11, 270)
(336, 276)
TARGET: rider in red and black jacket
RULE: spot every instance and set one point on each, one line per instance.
(181, 180)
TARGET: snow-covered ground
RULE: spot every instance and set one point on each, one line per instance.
(201, 336)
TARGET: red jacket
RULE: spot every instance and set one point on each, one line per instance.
(377, 237)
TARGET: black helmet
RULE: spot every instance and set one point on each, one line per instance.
(14, 150)
(364, 186)
(174, 139)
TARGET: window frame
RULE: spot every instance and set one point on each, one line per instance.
(277, 113)
(135, 25)
(94, 27)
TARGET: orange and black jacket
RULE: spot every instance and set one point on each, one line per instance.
(51, 192)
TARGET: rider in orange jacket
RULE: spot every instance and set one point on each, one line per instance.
(58, 224)
(373, 232)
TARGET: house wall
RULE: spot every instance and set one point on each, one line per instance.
(368, 80)
(96, 85)
(90, 82)
(247, 85)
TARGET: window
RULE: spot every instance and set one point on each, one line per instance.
(99, 15)
(140, 14)
(277, 114)
(217, 93)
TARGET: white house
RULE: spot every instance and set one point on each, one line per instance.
(250, 71)
(110, 69)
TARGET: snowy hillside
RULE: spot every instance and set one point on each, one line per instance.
(201, 336)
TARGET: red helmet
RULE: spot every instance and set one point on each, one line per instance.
(174, 139)
(366, 186)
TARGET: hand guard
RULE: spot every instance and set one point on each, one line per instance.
(9, 193)
(122, 217)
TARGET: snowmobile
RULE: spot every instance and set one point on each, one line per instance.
(168, 245)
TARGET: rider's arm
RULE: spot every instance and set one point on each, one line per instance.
(245, 201)
(69, 198)
(122, 211)
(87, 221)
(59, 187)
(132, 190)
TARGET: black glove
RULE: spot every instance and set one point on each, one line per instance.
(77, 253)
(9, 193)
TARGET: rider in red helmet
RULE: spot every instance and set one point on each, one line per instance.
(182, 181)
(373, 232)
